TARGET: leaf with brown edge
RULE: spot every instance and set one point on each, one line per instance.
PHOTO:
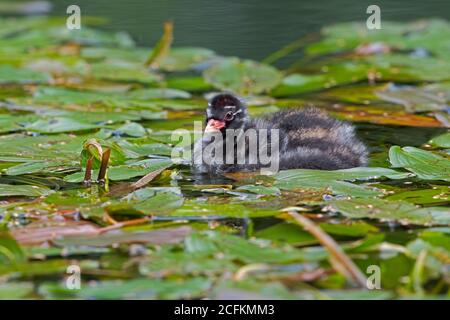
(156, 237)
(40, 232)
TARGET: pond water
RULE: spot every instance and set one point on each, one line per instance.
(250, 28)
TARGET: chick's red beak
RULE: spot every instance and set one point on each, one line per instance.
(214, 125)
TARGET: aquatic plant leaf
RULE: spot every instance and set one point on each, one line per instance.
(7, 190)
(358, 294)
(398, 211)
(31, 167)
(29, 269)
(12, 75)
(62, 96)
(131, 129)
(358, 173)
(40, 232)
(414, 99)
(10, 251)
(249, 289)
(354, 229)
(155, 200)
(335, 180)
(238, 248)
(437, 255)
(60, 124)
(158, 93)
(442, 141)
(137, 55)
(242, 76)
(182, 263)
(186, 58)
(435, 195)
(156, 237)
(338, 74)
(123, 72)
(287, 232)
(425, 164)
(428, 34)
(192, 84)
(260, 189)
(144, 288)
(194, 208)
(15, 290)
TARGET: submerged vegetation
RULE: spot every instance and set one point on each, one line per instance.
(73, 101)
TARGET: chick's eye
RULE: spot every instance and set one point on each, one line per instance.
(229, 116)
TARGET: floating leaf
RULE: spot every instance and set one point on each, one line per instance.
(269, 191)
(415, 99)
(442, 141)
(41, 232)
(143, 288)
(7, 190)
(185, 58)
(121, 71)
(11, 75)
(436, 195)
(58, 125)
(334, 75)
(399, 211)
(425, 164)
(156, 237)
(15, 290)
(242, 76)
(131, 129)
(307, 178)
(10, 251)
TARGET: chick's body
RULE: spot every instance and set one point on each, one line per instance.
(310, 139)
(307, 138)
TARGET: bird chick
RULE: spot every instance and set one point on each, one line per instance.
(305, 138)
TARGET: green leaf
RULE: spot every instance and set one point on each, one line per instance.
(425, 164)
(436, 195)
(242, 76)
(155, 200)
(155, 237)
(260, 189)
(132, 129)
(158, 93)
(415, 99)
(185, 58)
(248, 252)
(354, 229)
(15, 290)
(123, 72)
(287, 232)
(58, 125)
(7, 190)
(10, 251)
(11, 75)
(399, 211)
(442, 141)
(335, 75)
(321, 179)
(143, 288)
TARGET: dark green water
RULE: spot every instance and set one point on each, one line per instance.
(245, 28)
